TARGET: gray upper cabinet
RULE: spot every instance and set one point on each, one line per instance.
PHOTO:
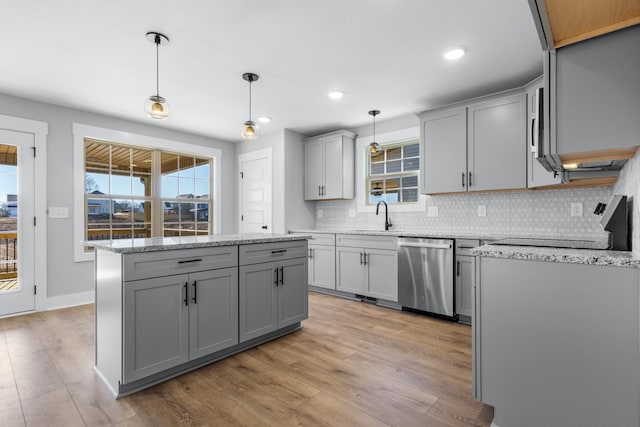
(329, 166)
(497, 137)
(463, 145)
(444, 142)
(596, 85)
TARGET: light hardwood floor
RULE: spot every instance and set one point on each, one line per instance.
(353, 364)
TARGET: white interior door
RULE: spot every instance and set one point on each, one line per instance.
(17, 228)
(255, 192)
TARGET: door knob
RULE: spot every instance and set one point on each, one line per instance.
(264, 227)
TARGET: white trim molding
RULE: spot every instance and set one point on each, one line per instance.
(80, 132)
(361, 174)
(39, 130)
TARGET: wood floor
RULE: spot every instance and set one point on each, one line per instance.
(353, 364)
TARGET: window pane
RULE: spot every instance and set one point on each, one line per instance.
(392, 184)
(121, 183)
(171, 211)
(375, 198)
(202, 227)
(97, 180)
(377, 157)
(410, 195)
(394, 153)
(171, 229)
(202, 211)
(122, 210)
(142, 230)
(187, 212)
(202, 188)
(169, 187)
(410, 181)
(122, 231)
(187, 167)
(120, 158)
(377, 169)
(98, 211)
(202, 168)
(411, 164)
(98, 232)
(412, 150)
(141, 211)
(394, 167)
(141, 171)
(187, 188)
(169, 165)
(376, 187)
(391, 197)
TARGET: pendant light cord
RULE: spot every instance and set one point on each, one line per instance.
(250, 81)
(157, 40)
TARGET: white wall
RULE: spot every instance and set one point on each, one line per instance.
(66, 277)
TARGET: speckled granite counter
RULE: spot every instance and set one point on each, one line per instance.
(571, 256)
(401, 233)
(154, 244)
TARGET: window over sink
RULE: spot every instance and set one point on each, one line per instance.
(393, 173)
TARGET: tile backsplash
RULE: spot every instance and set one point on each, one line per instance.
(544, 213)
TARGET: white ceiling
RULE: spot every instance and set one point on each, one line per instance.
(385, 54)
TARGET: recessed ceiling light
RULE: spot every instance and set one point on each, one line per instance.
(336, 94)
(453, 53)
(264, 119)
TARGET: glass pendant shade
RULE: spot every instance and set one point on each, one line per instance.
(157, 107)
(373, 147)
(249, 130)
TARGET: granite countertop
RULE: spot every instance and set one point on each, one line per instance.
(401, 233)
(571, 256)
(154, 244)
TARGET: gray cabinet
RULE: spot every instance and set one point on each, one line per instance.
(461, 146)
(272, 294)
(537, 175)
(171, 320)
(329, 166)
(465, 279)
(367, 265)
(322, 261)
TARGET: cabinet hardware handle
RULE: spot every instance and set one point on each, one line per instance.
(319, 190)
(361, 259)
(279, 251)
(470, 183)
(457, 268)
(186, 261)
(463, 179)
(282, 276)
(466, 247)
(366, 258)
(324, 190)
(276, 270)
(264, 227)
(186, 294)
(195, 292)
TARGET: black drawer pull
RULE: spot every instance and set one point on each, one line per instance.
(280, 251)
(186, 261)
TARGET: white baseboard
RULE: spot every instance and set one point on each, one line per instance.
(493, 424)
(70, 300)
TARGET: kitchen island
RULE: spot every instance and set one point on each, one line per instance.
(556, 337)
(166, 306)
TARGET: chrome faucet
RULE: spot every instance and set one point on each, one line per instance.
(387, 220)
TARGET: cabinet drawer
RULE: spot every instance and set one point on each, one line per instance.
(373, 242)
(165, 263)
(464, 245)
(322, 239)
(267, 252)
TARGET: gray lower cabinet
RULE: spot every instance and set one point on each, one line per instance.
(171, 320)
(322, 260)
(272, 295)
(465, 278)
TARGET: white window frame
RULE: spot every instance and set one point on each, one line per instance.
(81, 131)
(362, 156)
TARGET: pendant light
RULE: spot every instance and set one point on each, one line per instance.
(156, 106)
(373, 147)
(250, 129)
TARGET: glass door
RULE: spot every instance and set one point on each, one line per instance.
(17, 261)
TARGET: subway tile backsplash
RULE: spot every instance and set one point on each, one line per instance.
(543, 213)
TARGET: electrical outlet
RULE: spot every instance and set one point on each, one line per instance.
(576, 209)
(432, 211)
(352, 213)
(482, 210)
(319, 213)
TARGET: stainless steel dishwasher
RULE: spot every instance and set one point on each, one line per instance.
(425, 275)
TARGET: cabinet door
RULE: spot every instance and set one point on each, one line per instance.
(313, 170)
(322, 266)
(350, 270)
(293, 293)
(537, 175)
(444, 151)
(333, 168)
(213, 311)
(465, 282)
(497, 144)
(258, 300)
(156, 326)
(382, 274)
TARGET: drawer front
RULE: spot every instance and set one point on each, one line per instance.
(165, 263)
(464, 245)
(373, 242)
(268, 252)
(324, 239)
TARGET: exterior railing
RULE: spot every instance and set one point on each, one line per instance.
(8, 254)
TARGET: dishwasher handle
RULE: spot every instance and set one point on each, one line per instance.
(426, 245)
